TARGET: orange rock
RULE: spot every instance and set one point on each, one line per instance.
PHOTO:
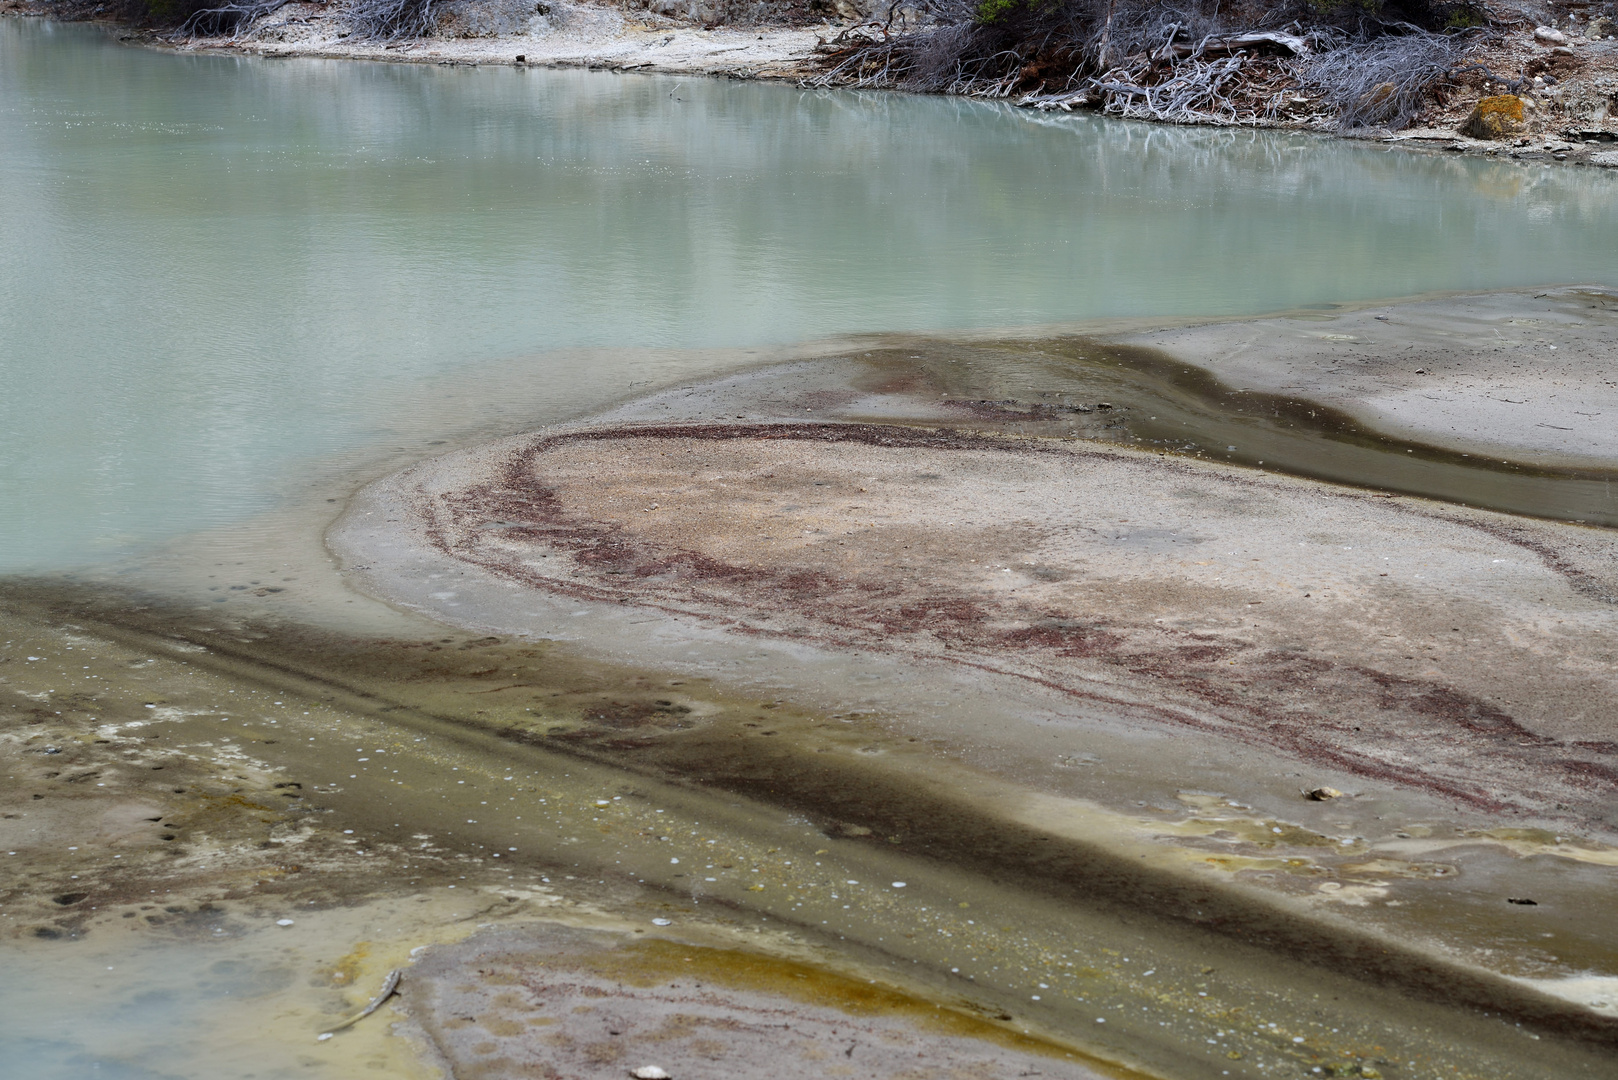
(1495, 117)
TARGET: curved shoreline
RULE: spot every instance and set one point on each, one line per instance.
(1082, 628)
(1074, 777)
(586, 35)
(1527, 374)
(601, 38)
(1124, 618)
(1120, 575)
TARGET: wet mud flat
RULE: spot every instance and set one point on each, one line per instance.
(153, 827)
(1525, 375)
(982, 547)
(438, 797)
(554, 1000)
(923, 663)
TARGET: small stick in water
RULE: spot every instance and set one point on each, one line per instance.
(389, 985)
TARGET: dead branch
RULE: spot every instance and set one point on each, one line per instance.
(1179, 61)
(1383, 83)
(391, 20)
(1289, 43)
(229, 19)
(1196, 91)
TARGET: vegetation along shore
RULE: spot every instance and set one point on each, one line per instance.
(1526, 80)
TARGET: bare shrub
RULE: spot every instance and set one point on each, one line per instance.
(1184, 61)
(391, 20)
(953, 53)
(1224, 90)
(227, 18)
(1383, 83)
(996, 47)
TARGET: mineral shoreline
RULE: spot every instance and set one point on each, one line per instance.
(1571, 122)
(1075, 619)
(808, 514)
(1529, 374)
(917, 628)
(1109, 601)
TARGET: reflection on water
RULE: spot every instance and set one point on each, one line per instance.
(215, 268)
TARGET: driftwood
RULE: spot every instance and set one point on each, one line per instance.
(1383, 83)
(1196, 91)
(1224, 46)
(1104, 44)
(390, 986)
(1217, 79)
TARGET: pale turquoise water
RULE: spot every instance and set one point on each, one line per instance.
(214, 270)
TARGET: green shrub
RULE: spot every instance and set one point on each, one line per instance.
(992, 11)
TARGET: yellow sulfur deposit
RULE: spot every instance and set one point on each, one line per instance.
(1495, 117)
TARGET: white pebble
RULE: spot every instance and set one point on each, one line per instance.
(283, 922)
(660, 922)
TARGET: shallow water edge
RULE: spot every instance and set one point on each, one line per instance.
(620, 770)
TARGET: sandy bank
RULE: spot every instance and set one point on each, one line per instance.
(1084, 627)
(1569, 119)
(1389, 638)
(1530, 374)
(565, 35)
(1416, 643)
(855, 651)
(604, 1003)
(174, 802)
(475, 781)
